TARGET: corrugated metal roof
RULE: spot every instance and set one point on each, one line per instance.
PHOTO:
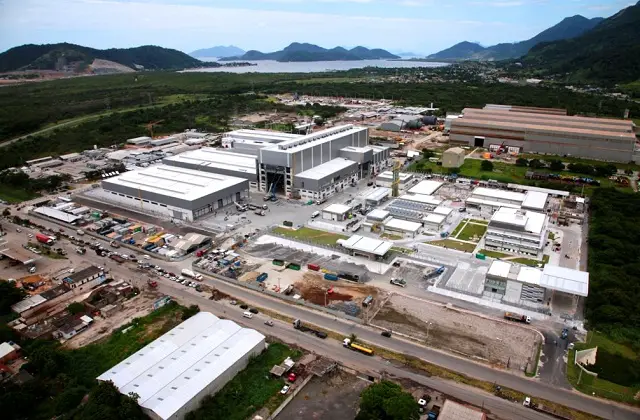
(173, 369)
(370, 245)
(426, 187)
(565, 280)
(404, 225)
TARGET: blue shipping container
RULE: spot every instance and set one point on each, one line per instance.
(329, 276)
(262, 277)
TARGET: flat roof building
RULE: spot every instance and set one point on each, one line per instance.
(367, 247)
(402, 227)
(453, 158)
(538, 131)
(376, 197)
(183, 194)
(337, 212)
(323, 180)
(140, 141)
(535, 201)
(517, 231)
(174, 373)
(385, 179)
(426, 187)
(217, 161)
(454, 411)
(434, 222)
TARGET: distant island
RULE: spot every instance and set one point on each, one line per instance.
(303, 52)
(218, 51)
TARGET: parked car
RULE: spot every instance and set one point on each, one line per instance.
(386, 334)
(269, 323)
(398, 282)
(285, 389)
(243, 306)
(253, 310)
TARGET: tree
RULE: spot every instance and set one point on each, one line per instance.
(6, 212)
(190, 311)
(9, 295)
(385, 400)
(426, 153)
(536, 164)
(522, 162)
(629, 171)
(556, 165)
(76, 308)
(486, 166)
(107, 403)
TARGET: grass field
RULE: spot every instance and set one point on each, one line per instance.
(531, 262)
(250, 390)
(458, 228)
(493, 254)
(312, 235)
(391, 236)
(12, 195)
(472, 230)
(453, 244)
(502, 172)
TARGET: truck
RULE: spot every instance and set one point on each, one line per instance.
(433, 272)
(298, 325)
(191, 274)
(356, 347)
(517, 317)
(434, 413)
(260, 212)
(45, 239)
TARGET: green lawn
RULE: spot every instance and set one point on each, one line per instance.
(12, 195)
(596, 339)
(472, 230)
(502, 172)
(478, 221)
(458, 228)
(312, 235)
(250, 390)
(531, 262)
(391, 236)
(453, 244)
(552, 236)
(599, 387)
(493, 254)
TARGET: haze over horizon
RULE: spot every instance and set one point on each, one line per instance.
(419, 26)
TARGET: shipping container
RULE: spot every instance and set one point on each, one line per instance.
(262, 277)
(278, 262)
(330, 276)
(314, 267)
(293, 266)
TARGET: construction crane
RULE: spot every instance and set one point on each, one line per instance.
(151, 125)
(395, 184)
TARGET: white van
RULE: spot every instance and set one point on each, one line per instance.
(315, 214)
(247, 314)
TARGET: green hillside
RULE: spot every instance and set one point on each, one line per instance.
(58, 56)
(609, 53)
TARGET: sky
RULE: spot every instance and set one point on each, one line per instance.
(419, 26)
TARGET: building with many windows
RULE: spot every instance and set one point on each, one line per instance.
(517, 231)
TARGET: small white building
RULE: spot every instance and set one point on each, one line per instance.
(337, 212)
(385, 179)
(443, 211)
(139, 141)
(534, 200)
(426, 187)
(377, 215)
(402, 227)
(366, 247)
(433, 222)
(495, 198)
(517, 231)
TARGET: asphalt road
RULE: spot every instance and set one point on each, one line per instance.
(574, 399)
(373, 366)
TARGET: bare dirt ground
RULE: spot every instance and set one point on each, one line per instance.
(335, 396)
(492, 341)
(312, 288)
(139, 306)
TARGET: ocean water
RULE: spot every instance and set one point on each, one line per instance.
(270, 66)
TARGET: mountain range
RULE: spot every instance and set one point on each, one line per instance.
(79, 59)
(609, 53)
(218, 51)
(570, 27)
(310, 52)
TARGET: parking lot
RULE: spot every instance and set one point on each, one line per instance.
(488, 340)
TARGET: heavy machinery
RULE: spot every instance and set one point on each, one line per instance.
(240, 207)
(271, 194)
(151, 125)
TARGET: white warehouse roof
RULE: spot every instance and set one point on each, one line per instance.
(565, 280)
(174, 181)
(364, 244)
(535, 200)
(168, 373)
(482, 192)
(426, 187)
(421, 198)
(326, 169)
(210, 157)
(434, 218)
(499, 269)
(388, 176)
(490, 203)
(443, 210)
(403, 225)
(337, 208)
(377, 214)
(538, 189)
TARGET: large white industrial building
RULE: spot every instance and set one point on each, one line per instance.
(179, 193)
(218, 161)
(518, 231)
(195, 359)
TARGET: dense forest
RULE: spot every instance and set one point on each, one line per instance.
(613, 305)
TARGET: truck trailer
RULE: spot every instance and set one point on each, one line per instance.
(45, 239)
(357, 347)
(191, 274)
(512, 316)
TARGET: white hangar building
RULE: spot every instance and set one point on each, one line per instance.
(195, 359)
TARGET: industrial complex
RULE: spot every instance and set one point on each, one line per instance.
(540, 130)
(172, 374)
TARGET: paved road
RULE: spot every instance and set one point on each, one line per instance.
(373, 366)
(531, 387)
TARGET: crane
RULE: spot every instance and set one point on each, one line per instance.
(151, 125)
(395, 184)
